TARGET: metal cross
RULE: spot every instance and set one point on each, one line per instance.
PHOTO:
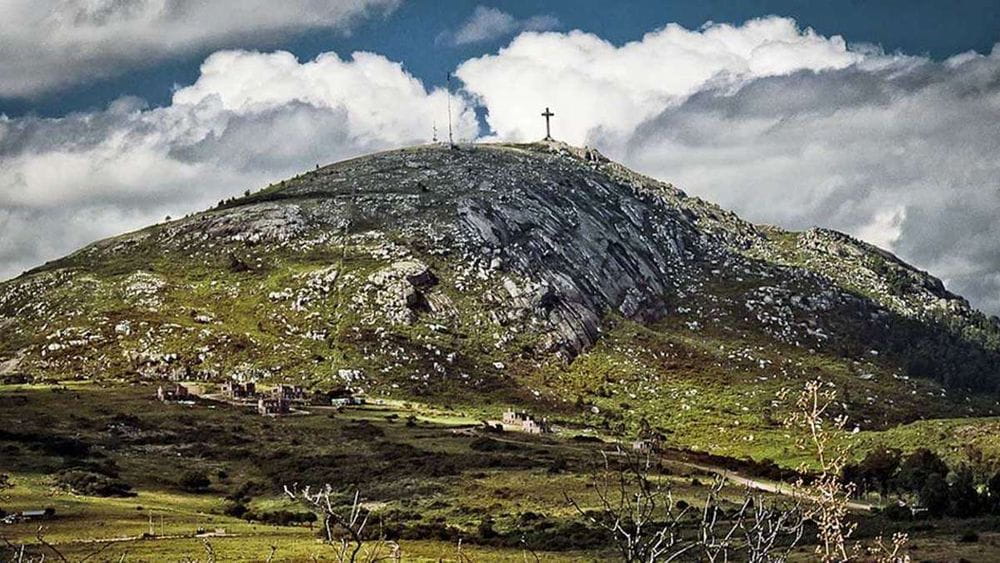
(547, 115)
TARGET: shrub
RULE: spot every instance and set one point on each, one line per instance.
(969, 536)
(965, 501)
(194, 481)
(93, 484)
(488, 445)
(280, 517)
(934, 496)
(485, 530)
(898, 512)
(918, 467)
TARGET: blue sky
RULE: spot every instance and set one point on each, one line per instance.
(410, 34)
(874, 118)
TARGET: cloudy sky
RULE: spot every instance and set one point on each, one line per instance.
(878, 119)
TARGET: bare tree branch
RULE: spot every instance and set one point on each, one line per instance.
(352, 522)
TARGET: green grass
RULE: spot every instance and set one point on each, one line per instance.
(423, 471)
(428, 468)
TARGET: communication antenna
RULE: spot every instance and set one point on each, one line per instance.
(451, 141)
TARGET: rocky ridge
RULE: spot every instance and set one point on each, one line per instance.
(410, 268)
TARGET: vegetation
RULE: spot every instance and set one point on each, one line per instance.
(500, 501)
(418, 299)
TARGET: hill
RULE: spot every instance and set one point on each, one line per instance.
(541, 275)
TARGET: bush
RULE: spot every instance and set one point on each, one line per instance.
(485, 530)
(918, 467)
(898, 512)
(280, 517)
(194, 481)
(969, 536)
(246, 491)
(488, 445)
(93, 484)
(934, 496)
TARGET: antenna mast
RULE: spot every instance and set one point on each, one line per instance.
(451, 141)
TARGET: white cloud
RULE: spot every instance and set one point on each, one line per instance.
(777, 123)
(782, 126)
(50, 43)
(487, 24)
(250, 118)
(600, 90)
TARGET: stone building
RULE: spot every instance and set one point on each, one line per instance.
(237, 390)
(175, 392)
(289, 392)
(526, 422)
(272, 406)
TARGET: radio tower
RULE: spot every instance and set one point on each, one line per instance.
(451, 141)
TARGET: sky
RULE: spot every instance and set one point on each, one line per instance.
(880, 119)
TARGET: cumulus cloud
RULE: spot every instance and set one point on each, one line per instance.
(249, 119)
(602, 90)
(487, 24)
(782, 126)
(904, 156)
(51, 43)
(775, 122)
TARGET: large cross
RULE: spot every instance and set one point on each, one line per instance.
(547, 115)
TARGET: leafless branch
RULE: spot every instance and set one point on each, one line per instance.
(827, 496)
(40, 536)
(351, 522)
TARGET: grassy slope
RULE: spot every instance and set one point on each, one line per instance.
(443, 478)
(710, 388)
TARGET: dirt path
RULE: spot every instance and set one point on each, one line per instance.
(731, 476)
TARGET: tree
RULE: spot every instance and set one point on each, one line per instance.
(5, 485)
(964, 499)
(348, 523)
(934, 495)
(917, 468)
(194, 481)
(826, 494)
(993, 488)
(876, 471)
(638, 512)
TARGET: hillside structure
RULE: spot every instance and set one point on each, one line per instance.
(237, 390)
(272, 406)
(175, 392)
(525, 422)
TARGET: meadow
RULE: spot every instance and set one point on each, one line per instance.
(439, 488)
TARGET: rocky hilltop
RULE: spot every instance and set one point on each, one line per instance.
(492, 272)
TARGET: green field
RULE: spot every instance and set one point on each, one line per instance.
(427, 480)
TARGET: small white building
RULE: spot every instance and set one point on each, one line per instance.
(526, 422)
(176, 392)
(272, 406)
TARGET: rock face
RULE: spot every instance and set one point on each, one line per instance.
(430, 264)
